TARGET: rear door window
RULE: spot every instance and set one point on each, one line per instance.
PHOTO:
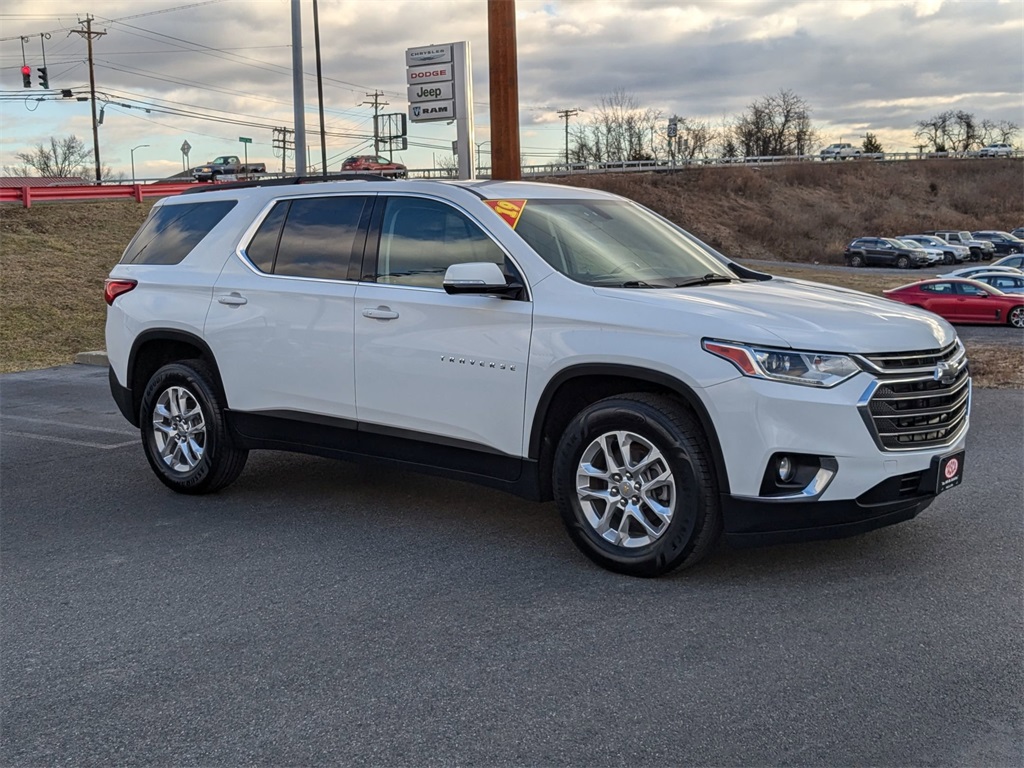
(310, 237)
(172, 231)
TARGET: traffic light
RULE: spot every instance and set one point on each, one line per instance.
(44, 80)
(26, 76)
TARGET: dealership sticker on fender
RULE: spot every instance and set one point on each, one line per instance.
(951, 472)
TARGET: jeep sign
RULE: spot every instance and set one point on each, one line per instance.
(430, 92)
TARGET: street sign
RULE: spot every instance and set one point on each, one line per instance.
(673, 130)
(185, 148)
(245, 140)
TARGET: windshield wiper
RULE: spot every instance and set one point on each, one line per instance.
(708, 279)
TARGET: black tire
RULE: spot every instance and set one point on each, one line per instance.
(661, 431)
(947, 258)
(856, 260)
(1015, 317)
(902, 262)
(184, 457)
(975, 254)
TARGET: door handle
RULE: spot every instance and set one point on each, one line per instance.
(233, 299)
(380, 313)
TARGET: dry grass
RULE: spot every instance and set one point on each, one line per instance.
(54, 257)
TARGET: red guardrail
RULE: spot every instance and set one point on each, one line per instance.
(28, 195)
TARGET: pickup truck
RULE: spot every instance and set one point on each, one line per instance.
(839, 152)
(226, 165)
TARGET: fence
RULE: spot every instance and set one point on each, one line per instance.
(27, 195)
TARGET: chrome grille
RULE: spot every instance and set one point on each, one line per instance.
(913, 362)
(910, 413)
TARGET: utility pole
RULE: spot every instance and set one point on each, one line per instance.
(89, 34)
(298, 94)
(566, 114)
(501, 46)
(320, 89)
(282, 142)
(377, 104)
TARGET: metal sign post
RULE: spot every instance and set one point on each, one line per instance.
(245, 143)
(441, 89)
(185, 149)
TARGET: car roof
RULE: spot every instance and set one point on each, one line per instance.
(483, 189)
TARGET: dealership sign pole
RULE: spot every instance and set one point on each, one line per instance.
(441, 90)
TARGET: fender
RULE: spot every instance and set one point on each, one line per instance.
(630, 372)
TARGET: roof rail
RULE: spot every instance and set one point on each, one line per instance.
(290, 180)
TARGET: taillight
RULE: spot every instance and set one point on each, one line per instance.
(112, 288)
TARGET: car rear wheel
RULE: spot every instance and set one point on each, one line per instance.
(635, 485)
(1016, 317)
(184, 433)
(903, 262)
(947, 258)
(975, 254)
(856, 260)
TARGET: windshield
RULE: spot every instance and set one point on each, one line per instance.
(616, 243)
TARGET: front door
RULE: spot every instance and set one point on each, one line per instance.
(446, 371)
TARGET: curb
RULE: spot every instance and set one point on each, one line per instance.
(92, 358)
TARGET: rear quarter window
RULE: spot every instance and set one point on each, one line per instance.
(172, 231)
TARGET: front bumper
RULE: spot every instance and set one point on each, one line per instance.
(755, 522)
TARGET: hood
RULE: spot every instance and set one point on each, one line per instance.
(804, 315)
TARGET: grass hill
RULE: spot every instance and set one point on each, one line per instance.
(54, 257)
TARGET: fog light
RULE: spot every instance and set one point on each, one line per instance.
(786, 469)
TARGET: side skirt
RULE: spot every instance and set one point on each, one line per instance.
(349, 440)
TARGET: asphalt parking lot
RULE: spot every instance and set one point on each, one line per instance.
(324, 613)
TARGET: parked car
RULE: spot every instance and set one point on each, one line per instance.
(883, 251)
(1016, 261)
(1003, 242)
(952, 253)
(1004, 281)
(971, 271)
(996, 150)
(839, 152)
(374, 164)
(935, 255)
(959, 300)
(980, 249)
(559, 343)
(1018, 232)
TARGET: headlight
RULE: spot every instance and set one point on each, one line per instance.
(812, 369)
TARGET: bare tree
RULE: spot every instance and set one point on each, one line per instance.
(998, 132)
(66, 157)
(619, 130)
(696, 138)
(779, 124)
(933, 131)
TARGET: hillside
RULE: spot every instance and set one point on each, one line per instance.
(808, 212)
(54, 257)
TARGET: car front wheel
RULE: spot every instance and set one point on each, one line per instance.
(635, 485)
(184, 433)
(903, 262)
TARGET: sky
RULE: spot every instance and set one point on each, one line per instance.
(874, 66)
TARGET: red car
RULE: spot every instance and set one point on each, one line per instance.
(962, 301)
(373, 164)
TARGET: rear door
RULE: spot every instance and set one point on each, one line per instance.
(280, 324)
(445, 373)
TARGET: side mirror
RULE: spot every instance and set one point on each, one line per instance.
(483, 278)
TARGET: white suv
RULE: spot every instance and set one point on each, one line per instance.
(557, 343)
